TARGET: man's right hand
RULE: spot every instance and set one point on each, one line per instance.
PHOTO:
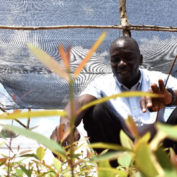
(65, 126)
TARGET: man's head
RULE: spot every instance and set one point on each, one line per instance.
(125, 59)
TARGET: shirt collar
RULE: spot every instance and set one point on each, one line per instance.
(137, 86)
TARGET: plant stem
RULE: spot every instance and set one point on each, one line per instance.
(28, 121)
(71, 123)
(9, 152)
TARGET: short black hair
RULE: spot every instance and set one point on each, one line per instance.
(127, 39)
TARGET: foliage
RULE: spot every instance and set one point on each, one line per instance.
(139, 158)
(7, 133)
(38, 167)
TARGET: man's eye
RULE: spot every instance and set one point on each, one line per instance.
(115, 60)
(130, 59)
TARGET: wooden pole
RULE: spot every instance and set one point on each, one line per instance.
(131, 27)
(123, 18)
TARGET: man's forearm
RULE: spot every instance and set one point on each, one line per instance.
(77, 106)
(78, 103)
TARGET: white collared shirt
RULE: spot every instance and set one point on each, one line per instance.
(123, 107)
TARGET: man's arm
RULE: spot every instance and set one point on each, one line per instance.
(78, 103)
(65, 121)
(155, 104)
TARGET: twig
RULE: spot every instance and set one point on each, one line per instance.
(28, 121)
(20, 123)
(167, 81)
(131, 27)
(123, 18)
(3, 110)
(170, 70)
(14, 119)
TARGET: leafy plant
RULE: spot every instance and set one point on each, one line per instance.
(136, 159)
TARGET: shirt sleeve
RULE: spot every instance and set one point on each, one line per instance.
(94, 88)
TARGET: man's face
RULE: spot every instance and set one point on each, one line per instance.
(125, 61)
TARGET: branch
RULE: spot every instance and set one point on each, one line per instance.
(123, 18)
(131, 27)
(20, 123)
(14, 119)
(28, 120)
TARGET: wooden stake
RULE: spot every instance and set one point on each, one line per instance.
(123, 18)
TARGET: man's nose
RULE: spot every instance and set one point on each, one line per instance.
(121, 64)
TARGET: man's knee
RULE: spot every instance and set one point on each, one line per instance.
(95, 114)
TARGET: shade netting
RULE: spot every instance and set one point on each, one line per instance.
(21, 72)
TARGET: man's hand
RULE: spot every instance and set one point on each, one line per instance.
(155, 104)
(56, 136)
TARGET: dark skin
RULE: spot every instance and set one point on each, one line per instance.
(125, 59)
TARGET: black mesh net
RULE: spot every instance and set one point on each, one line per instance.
(21, 72)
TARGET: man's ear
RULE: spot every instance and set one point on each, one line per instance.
(141, 59)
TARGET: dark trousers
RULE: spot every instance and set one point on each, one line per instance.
(102, 125)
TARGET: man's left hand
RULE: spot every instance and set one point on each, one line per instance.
(155, 104)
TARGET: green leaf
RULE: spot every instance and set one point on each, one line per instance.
(104, 173)
(165, 163)
(104, 152)
(169, 130)
(154, 144)
(2, 136)
(125, 140)
(51, 174)
(5, 156)
(45, 165)
(145, 160)
(125, 159)
(2, 143)
(163, 132)
(143, 139)
(33, 114)
(48, 61)
(30, 155)
(52, 145)
(40, 152)
(132, 127)
(172, 156)
(107, 156)
(105, 170)
(19, 172)
(20, 161)
(65, 58)
(108, 146)
(122, 94)
(27, 172)
(88, 56)
(57, 163)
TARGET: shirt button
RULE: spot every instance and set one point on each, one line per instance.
(134, 108)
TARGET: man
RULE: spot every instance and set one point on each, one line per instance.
(103, 122)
